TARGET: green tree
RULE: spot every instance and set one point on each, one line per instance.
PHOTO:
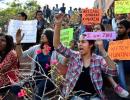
(15, 7)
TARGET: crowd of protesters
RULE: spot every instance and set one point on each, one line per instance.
(83, 65)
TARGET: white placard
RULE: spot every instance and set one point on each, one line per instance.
(29, 28)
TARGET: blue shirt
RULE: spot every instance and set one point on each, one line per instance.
(43, 60)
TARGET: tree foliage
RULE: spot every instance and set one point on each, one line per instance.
(29, 7)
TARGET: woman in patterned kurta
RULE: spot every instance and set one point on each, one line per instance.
(8, 61)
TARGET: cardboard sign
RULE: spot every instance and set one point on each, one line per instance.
(122, 7)
(66, 36)
(29, 28)
(100, 35)
(91, 16)
(119, 50)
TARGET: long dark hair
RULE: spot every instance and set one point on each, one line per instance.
(49, 34)
(9, 45)
(92, 42)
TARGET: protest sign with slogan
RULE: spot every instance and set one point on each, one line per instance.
(91, 16)
(29, 28)
(66, 36)
(122, 7)
(119, 50)
(100, 35)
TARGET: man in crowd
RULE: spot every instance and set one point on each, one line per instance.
(63, 8)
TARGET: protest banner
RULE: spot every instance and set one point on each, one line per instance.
(91, 16)
(119, 50)
(100, 35)
(66, 36)
(122, 7)
(29, 28)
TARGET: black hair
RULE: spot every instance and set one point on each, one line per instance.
(102, 27)
(67, 15)
(75, 44)
(74, 41)
(49, 34)
(23, 14)
(125, 23)
(91, 42)
(38, 11)
(9, 45)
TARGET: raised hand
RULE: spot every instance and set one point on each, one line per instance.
(59, 18)
(18, 36)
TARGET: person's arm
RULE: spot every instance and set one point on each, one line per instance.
(8, 61)
(19, 50)
(66, 52)
(107, 69)
(58, 22)
(104, 54)
(23, 54)
(18, 43)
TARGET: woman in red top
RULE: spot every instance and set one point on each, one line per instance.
(8, 62)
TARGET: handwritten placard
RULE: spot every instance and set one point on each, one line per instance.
(122, 7)
(119, 50)
(29, 28)
(91, 16)
(66, 36)
(100, 35)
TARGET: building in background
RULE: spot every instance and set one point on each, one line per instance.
(105, 5)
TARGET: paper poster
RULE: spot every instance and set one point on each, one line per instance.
(29, 28)
(91, 16)
(119, 50)
(122, 7)
(100, 35)
(66, 36)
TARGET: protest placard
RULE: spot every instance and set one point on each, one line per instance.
(119, 50)
(66, 36)
(91, 16)
(29, 28)
(122, 7)
(100, 35)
